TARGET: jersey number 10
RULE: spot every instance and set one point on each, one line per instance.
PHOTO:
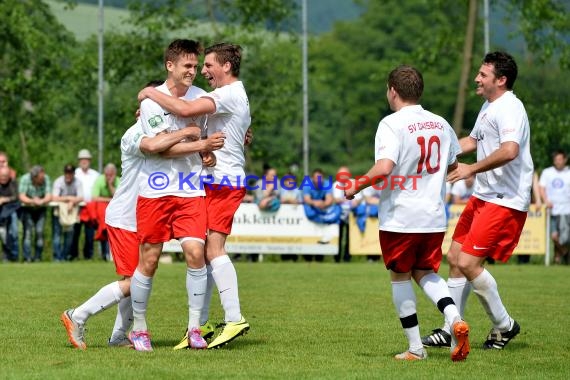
(425, 159)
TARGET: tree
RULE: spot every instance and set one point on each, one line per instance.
(349, 68)
(35, 59)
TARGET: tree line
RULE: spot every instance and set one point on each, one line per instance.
(48, 87)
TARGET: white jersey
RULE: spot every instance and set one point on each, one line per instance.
(87, 181)
(557, 186)
(160, 177)
(121, 211)
(422, 145)
(233, 118)
(500, 121)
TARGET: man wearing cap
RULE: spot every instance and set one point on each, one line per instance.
(87, 177)
(35, 194)
(68, 193)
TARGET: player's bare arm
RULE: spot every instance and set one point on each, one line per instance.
(163, 141)
(468, 144)
(180, 107)
(194, 131)
(213, 142)
(507, 152)
(381, 168)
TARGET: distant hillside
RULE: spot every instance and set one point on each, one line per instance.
(83, 20)
(321, 15)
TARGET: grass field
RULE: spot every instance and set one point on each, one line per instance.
(308, 321)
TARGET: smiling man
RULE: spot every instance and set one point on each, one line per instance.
(227, 107)
(493, 219)
(176, 210)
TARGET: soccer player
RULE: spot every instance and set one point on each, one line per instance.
(171, 201)
(414, 148)
(493, 219)
(120, 218)
(227, 107)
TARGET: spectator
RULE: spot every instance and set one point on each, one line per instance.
(103, 190)
(35, 195)
(4, 162)
(12, 234)
(9, 206)
(289, 193)
(462, 190)
(106, 184)
(87, 176)
(555, 193)
(68, 192)
(319, 205)
(266, 194)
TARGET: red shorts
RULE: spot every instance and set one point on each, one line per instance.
(170, 217)
(125, 249)
(222, 203)
(488, 230)
(403, 252)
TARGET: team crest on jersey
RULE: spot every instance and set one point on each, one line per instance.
(155, 121)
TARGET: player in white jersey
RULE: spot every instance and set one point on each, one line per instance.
(227, 107)
(554, 187)
(120, 218)
(413, 150)
(171, 202)
(493, 219)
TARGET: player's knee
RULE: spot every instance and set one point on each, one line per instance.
(149, 264)
(467, 266)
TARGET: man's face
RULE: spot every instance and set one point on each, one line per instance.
(3, 161)
(68, 177)
(317, 179)
(213, 71)
(487, 82)
(271, 174)
(84, 163)
(110, 175)
(39, 179)
(183, 71)
(289, 182)
(559, 161)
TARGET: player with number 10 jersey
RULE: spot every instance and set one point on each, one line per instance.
(422, 145)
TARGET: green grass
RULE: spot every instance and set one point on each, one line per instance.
(308, 321)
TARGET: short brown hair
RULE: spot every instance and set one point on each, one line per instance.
(227, 53)
(407, 81)
(178, 48)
